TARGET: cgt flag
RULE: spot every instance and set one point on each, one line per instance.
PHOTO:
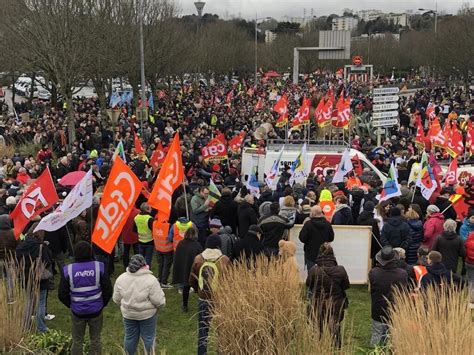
(158, 157)
(215, 149)
(169, 178)
(138, 145)
(120, 193)
(39, 197)
(236, 142)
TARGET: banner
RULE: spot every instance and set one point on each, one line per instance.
(215, 149)
(158, 157)
(214, 193)
(344, 167)
(120, 193)
(138, 145)
(39, 197)
(78, 200)
(302, 117)
(236, 143)
(170, 177)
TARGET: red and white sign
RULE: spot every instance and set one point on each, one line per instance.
(215, 149)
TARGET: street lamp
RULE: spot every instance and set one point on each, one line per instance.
(435, 13)
(142, 66)
(256, 45)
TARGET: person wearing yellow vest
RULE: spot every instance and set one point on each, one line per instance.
(177, 231)
(143, 226)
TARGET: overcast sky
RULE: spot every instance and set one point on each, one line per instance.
(280, 8)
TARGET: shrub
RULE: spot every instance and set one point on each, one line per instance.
(434, 321)
(55, 342)
(262, 309)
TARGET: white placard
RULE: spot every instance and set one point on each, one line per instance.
(389, 98)
(386, 91)
(385, 122)
(351, 247)
(385, 114)
(384, 107)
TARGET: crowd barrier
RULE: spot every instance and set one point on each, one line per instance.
(351, 247)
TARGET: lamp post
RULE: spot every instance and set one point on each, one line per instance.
(256, 46)
(142, 66)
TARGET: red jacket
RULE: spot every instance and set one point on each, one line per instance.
(432, 228)
(470, 248)
(23, 178)
(128, 235)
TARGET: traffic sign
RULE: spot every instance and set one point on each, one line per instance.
(381, 99)
(384, 114)
(386, 91)
(385, 123)
(384, 107)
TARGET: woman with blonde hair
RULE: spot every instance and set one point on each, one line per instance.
(288, 210)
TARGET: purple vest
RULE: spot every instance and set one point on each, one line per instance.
(84, 284)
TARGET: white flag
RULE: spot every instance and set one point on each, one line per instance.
(345, 166)
(78, 200)
(299, 165)
(272, 175)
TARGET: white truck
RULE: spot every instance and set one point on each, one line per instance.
(319, 159)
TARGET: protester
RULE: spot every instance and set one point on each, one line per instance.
(416, 235)
(395, 231)
(366, 218)
(450, 246)
(184, 256)
(8, 243)
(200, 213)
(328, 283)
(247, 215)
(469, 263)
(274, 229)
(86, 289)
(467, 225)
(139, 295)
(143, 227)
(444, 205)
(225, 210)
(382, 279)
(437, 274)
(433, 225)
(204, 278)
(419, 270)
(343, 213)
(129, 237)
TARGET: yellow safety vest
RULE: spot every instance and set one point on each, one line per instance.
(179, 231)
(144, 233)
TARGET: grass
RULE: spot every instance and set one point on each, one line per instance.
(177, 331)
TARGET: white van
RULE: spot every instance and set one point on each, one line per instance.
(319, 159)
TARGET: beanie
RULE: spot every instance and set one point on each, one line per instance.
(395, 212)
(432, 209)
(136, 263)
(369, 206)
(213, 242)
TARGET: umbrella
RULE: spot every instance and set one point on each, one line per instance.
(272, 74)
(71, 179)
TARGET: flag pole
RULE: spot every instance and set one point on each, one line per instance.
(186, 201)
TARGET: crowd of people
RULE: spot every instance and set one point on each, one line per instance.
(415, 242)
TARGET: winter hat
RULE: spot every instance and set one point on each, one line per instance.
(213, 242)
(369, 206)
(432, 209)
(10, 200)
(215, 223)
(386, 255)
(395, 212)
(254, 229)
(400, 252)
(136, 263)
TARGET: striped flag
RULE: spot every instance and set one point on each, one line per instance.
(214, 193)
(119, 151)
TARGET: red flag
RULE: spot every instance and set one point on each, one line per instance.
(435, 133)
(138, 145)
(420, 134)
(39, 197)
(282, 105)
(343, 110)
(236, 142)
(324, 110)
(454, 145)
(259, 105)
(470, 138)
(170, 177)
(157, 157)
(229, 97)
(452, 173)
(430, 111)
(215, 149)
(302, 117)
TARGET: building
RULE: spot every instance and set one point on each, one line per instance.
(369, 15)
(398, 19)
(270, 36)
(345, 23)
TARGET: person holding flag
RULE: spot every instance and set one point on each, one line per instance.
(345, 166)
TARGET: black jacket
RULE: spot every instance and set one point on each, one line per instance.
(28, 252)
(226, 210)
(396, 233)
(247, 217)
(438, 274)
(343, 216)
(366, 218)
(57, 240)
(382, 279)
(273, 228)
(314, 233)
(451, 247)
(248, 247)
(416, 238)
(184, 256)
(444, 204)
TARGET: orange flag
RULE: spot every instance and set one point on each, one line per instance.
(120, 193)
(157, 157)
(138, 145)
(170, 177)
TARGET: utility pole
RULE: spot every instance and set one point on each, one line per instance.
(142, 66)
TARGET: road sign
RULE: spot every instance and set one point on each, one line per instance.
(384, 107)
(384, 114)
(382, 99)
(385, 123)
(386, 91)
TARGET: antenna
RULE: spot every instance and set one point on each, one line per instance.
(199, 7)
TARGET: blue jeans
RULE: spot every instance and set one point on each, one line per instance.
(204, 318)
(147, 251)
(41, 312)
(136, 329)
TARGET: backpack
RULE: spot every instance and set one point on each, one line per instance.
(208, 276)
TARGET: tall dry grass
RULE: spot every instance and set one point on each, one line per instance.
(262, 309)
(436, 321)
(18, 301)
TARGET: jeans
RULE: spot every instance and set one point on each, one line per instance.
(41, 312)
(204, 318)
(165, 260)
(60, 260)
(136, 329)
(379, 333)
(147, 251)
(186, 290)
(126, 253)
(470, 279)
(79, 330)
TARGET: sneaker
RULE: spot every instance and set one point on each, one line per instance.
(166, 286)
(49, 317)
(180, 291)
(191, 290)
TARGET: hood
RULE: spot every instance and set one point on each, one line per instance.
(318, 222)
(225, 230)
(326, 260)
(342, 207)
(394, 221)
(415, 224)
(437, 215)
(437, 269)
(226, 199)
(449, 235)
(5, 222)
(468, 224)
(211, 254)
(365, 216)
